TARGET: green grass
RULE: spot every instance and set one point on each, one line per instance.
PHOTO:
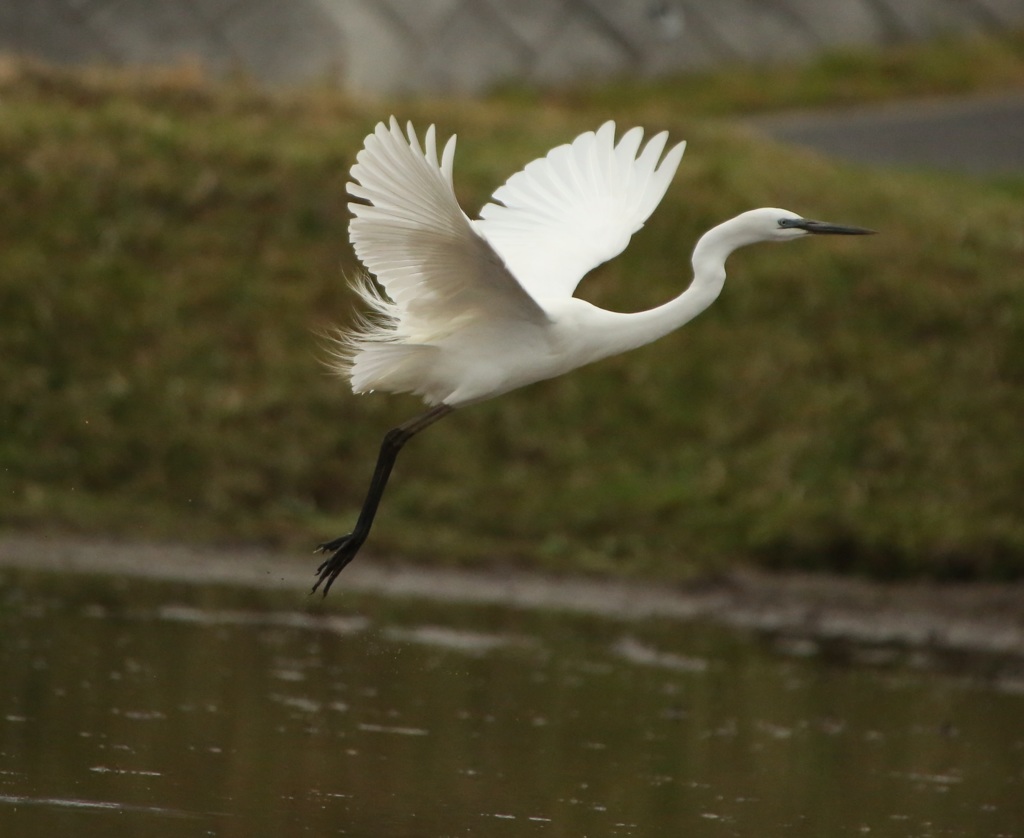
(169, 250)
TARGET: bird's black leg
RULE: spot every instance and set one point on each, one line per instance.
(344, 549)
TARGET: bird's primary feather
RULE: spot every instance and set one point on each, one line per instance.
(413, 236)
(577, 207)
(440, 275)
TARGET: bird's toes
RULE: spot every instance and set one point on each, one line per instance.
(342, 551)
(331, 546)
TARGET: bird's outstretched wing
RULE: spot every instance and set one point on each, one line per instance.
(566, 213)
(413, 236)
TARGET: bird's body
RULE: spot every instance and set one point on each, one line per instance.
(476, 308)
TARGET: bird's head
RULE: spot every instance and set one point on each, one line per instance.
(775, 224)
(767, 224)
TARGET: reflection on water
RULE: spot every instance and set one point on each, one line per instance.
(161, 710)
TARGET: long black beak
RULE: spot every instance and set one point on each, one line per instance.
(823, 227)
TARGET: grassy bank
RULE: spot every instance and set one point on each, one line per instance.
(170, 249)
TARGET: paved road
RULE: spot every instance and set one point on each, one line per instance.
(979, 135)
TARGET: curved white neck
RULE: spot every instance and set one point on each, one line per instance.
(622, 332)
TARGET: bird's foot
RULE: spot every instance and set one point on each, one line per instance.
(342, 551)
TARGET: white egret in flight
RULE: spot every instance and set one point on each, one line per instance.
(475, 308)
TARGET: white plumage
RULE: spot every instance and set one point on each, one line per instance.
(471, 309)
(476, 308)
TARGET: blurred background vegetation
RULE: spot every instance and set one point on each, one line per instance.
(172, 248)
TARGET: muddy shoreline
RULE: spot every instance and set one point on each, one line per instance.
(980, 617)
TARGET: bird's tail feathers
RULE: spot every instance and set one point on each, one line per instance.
(381, 319)
(377, 323)
(371, 353)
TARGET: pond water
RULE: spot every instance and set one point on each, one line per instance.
(143, 708)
